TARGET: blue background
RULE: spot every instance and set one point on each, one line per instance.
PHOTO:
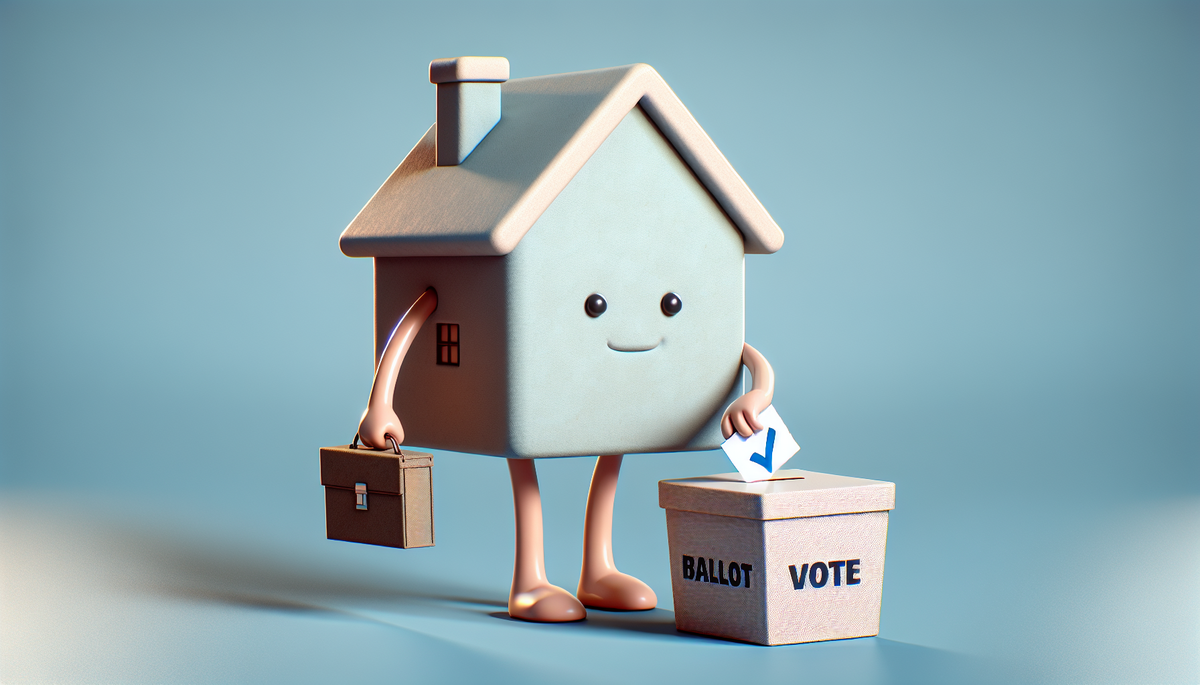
(988, 295)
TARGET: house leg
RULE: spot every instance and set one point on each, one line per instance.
(532, 597)
(601, 585)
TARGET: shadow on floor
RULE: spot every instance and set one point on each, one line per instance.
(654, 622)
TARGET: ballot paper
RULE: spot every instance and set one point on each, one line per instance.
(759, 456)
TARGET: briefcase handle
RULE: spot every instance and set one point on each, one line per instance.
(395, 445)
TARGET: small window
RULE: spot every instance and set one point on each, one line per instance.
(447, 344)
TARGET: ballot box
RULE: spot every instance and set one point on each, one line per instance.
(797, 558)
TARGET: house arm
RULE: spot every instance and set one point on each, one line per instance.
(742, 415)
(379, 420)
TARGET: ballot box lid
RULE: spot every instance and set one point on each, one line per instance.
(790, 493)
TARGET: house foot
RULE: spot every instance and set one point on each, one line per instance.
(545, 604)
(618, 591)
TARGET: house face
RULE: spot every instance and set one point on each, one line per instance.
(511, 363)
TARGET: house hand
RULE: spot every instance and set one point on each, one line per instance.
(377, 424)
(742, 415)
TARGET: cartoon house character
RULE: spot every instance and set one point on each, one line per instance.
(576, 244)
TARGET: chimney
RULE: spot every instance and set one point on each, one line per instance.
(468, 103)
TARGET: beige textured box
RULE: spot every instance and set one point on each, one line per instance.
(797, 558)
(378, 497)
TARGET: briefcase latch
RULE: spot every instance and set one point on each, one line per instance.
(360, 496)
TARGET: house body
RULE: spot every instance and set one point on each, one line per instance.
(590, 183)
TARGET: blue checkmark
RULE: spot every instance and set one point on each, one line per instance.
(759, 459)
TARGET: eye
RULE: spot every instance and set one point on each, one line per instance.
(671, 304)
(595, 305)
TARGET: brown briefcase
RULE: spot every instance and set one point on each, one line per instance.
(378, 497)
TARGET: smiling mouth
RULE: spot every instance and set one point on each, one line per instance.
(644, 348)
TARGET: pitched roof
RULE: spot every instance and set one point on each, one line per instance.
(550, 127)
